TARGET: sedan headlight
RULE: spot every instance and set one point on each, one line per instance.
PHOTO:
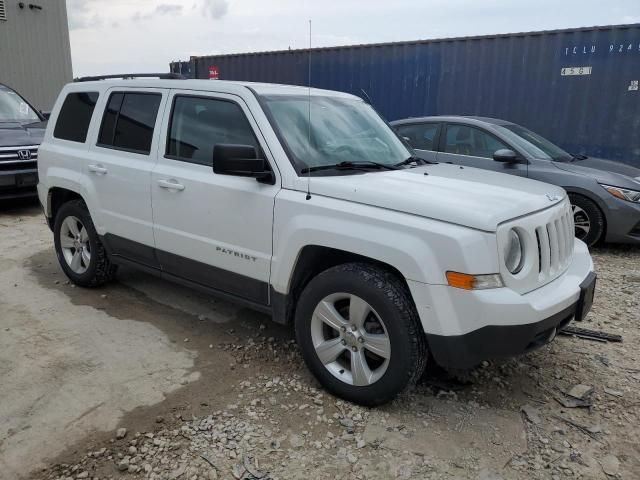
(513, 252)
(623, 193)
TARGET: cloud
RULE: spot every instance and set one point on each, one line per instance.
(215, 8)
(630, 19)
(167, 9)
(162, 9)
(80, 14)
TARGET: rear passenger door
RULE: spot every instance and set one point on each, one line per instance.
(119, 166)
(210, 229)
(474, 147)
(423, 137)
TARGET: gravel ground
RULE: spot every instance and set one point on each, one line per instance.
(245, 407)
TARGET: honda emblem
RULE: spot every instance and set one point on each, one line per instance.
(24, 154)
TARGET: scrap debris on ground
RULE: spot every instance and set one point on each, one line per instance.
(568, 410)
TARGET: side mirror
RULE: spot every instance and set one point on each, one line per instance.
(46, 115)
(241, 161)
(506, 156)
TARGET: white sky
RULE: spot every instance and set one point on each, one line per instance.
(119, 36)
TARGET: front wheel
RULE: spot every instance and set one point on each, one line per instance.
(587, 219)
(360, 334)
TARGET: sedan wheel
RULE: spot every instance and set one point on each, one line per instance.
(588, 219)
(581, 222)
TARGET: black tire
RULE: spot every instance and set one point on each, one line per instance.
(390, 299)
(587, 210)
(100, 270)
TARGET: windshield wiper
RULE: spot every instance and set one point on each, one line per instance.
(578, 157)
(414, 159)
(362, 165)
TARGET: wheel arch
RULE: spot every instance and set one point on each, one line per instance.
(311, 261)
(56, 197)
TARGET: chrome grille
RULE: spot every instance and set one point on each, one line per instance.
(16, 158)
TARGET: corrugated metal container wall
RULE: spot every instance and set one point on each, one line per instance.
(578, 87)
(183, 68)
(35, 56)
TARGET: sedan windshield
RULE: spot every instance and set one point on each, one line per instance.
(342, 130)
(542, 148)
(13, 108)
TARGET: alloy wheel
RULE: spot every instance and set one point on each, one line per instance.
(581, 221)
(74, 243)
(350, 339)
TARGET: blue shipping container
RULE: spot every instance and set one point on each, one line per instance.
(577, 87)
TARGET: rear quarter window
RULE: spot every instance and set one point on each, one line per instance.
(129, 121)
(75, 116)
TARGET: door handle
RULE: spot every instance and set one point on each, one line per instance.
(99, 169)
(170, 185)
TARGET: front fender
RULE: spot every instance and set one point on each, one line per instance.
(421, 249)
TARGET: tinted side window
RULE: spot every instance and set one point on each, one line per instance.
(422, 137)
(75, 116)
(108, 128)
(129, 120)
(464, 140)
(197, 124)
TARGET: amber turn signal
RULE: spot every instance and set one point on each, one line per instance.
(474, 282)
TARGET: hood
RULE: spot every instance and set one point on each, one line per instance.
(604, 171)
(15, 134)
(471, 197)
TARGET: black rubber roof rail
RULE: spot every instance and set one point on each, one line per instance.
(126, 76)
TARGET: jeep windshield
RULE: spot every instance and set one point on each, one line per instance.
(344, 131)
(13, 108)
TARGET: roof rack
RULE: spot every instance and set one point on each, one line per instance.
(127, 76)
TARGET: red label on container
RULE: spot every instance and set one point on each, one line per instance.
(213, 72)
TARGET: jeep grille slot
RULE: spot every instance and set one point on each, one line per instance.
(555, 245)
(544, 251)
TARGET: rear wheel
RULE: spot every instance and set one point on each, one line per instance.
(587, 218)
(80, 252)
(360, 334)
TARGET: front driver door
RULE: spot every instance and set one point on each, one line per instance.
(213, 230)
(474, 147)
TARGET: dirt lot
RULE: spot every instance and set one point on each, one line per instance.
(145, 379)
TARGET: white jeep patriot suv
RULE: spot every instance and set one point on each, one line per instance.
(304, 204)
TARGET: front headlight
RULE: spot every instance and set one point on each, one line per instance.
(513, 252)
(623, 193)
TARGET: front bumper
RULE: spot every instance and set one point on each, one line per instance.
(465, 327)
(623, 222)
(467, 351)
(18, 183)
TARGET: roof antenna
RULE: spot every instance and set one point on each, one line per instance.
(309, 119)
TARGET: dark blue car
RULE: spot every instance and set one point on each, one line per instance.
(21, 132)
